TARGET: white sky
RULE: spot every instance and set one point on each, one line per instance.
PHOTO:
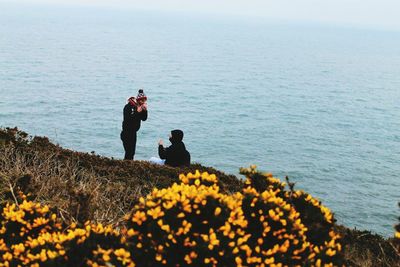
(368, 13)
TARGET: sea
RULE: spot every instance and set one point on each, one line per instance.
(318, 103)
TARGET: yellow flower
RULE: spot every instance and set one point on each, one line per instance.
(43, 255)
(51, 254)
(330, 252)
(122, 253)
(106, 257)
(270, 260)
(158, 257)
(139, 217)
(155, 212)
(18, 249)
(238, 261)
(7, 256)
(217, 211)
(397, 235)
(187, 259)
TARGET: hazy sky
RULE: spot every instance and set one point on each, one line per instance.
(367, 13)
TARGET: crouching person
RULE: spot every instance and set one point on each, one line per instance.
(176, 154)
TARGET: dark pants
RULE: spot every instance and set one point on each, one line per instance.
(129, 142)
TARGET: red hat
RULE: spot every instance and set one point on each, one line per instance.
(132, 101)
(141, 95)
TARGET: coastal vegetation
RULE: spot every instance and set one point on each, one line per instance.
(65, 208)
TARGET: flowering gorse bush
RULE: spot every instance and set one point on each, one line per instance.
(316, 220)
(191, 223)
(32, 235)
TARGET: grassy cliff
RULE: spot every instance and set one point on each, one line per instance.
(81, 185)
(85, 187)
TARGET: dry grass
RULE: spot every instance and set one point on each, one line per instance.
(78, 193)
(83, 186)
(365, 249)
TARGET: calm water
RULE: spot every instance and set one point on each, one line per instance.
(319, 104)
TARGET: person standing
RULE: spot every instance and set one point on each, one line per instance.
(135, 111)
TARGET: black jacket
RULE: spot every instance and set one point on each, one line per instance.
(132, 119)
(175, 155)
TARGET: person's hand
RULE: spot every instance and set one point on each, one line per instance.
(139, 108)
(144, 106)
(160, 143)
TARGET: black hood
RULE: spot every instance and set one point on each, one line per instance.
(176, 136)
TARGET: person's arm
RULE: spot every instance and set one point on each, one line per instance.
(162, 152)
(144, 114)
